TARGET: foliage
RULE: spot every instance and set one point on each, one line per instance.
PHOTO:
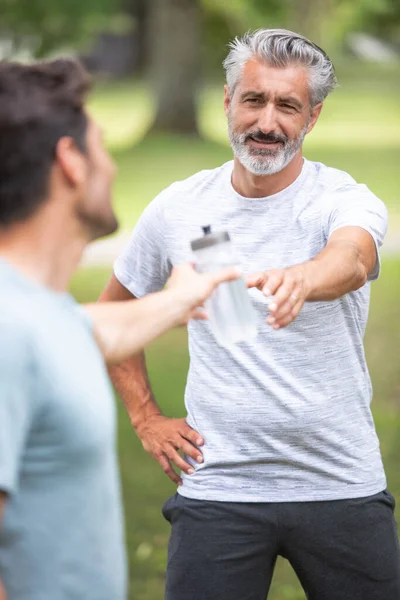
(43, 25)
(225, 20)
(381, 17)
(325, 21)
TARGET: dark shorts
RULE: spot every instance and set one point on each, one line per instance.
(340, 550)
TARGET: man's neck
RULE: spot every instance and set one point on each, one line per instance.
(44, 250)
(260, 186)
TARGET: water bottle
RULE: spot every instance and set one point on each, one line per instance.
(230, 311)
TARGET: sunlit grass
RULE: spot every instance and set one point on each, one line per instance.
(125, 111)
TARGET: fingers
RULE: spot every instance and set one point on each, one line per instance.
(273, 281)
(198, 314)
(190, 450)
(178, 460)
(226, 274)
(192, 435)
(256, 280)
(286, 287)
(288, 318)
(278, 313)
(164, 438)
(185, 439)
(168, 470)
(171, 455)
(286, 315)
(285, 296)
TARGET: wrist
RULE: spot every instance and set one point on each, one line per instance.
(178, 306)
(148, 412)
(308, 279)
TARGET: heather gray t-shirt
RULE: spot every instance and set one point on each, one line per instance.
(285, 417)
(61, 536)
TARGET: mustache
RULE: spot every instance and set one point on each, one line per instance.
(268, 138)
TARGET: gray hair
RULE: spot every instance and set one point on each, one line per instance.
(281, 48)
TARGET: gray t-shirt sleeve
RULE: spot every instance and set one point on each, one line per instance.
(356, 205)
(143, 267)
(16, 404)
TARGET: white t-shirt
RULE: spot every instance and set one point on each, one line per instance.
(285, 417)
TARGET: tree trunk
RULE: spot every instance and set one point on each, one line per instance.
(173, 46)
(137, 9)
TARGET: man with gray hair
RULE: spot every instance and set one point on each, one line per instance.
(286, 459)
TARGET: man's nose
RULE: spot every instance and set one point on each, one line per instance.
(267, 119)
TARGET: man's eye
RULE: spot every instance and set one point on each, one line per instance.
(288, 106)
(253, 100)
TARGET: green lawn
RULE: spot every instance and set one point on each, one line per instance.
(359, 131)
(145, 487)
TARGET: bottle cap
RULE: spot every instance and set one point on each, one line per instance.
(209, 239)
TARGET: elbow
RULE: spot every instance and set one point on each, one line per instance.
(361, 276)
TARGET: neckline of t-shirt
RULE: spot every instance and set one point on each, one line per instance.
(282, 195)
(32, 284)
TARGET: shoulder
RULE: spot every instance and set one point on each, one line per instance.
(28, 315)
(330, 179)
(16, 337)
(338, 188)
(187, 189)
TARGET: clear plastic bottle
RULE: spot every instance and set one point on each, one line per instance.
(230, 311)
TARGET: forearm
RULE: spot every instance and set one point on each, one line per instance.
(341, 267)
(334, 272)
(162, 437)
(3, 595)
(124, 328)
(131, 381)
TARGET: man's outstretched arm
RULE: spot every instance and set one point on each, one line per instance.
(342, 266)
(122, 329)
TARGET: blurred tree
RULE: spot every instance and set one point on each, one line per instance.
(311, 17)
(225, 20)
(40, 26)
(177, 38)
(174, 62)
(137, 11)
(379, 17)
(184, 35)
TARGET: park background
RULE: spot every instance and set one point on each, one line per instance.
(158, 96)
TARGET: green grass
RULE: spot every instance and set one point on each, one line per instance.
(145, 487)
(124, 109)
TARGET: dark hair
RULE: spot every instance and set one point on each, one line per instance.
(39, 104)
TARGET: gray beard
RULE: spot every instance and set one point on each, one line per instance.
(261, 161)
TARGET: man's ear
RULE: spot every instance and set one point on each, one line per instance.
(316, 111)
(71, 161)
(227, 99)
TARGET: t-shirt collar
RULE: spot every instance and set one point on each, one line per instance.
(282, 195)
